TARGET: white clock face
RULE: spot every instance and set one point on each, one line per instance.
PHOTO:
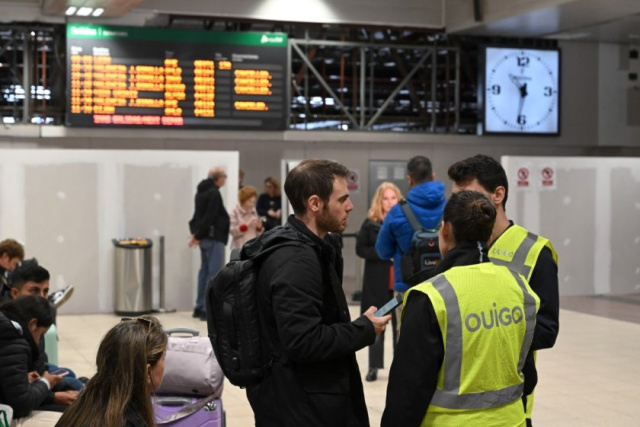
(521, 91)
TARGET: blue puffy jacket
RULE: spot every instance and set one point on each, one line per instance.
(427, 202)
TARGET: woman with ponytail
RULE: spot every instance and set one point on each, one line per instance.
(465, 332)
(130, 364)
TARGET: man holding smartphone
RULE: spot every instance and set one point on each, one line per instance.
(30, 278)
(304, 318)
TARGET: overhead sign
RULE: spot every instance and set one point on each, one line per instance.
(156, 77)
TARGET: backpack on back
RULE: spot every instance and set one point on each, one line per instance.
(232, 320)
(419, 263)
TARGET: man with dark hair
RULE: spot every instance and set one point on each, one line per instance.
(22, 323)
(426, 199)
(11, 253)
(307, 333)
(519, 249)
(32, 279)
(210, 231)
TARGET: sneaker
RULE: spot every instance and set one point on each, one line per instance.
(60, 297)
(196, 313)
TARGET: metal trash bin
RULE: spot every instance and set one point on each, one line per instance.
(132, 276)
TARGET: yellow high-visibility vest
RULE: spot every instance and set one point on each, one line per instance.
(487, 316)
(519, 249)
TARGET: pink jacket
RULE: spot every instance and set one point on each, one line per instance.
(239, 220)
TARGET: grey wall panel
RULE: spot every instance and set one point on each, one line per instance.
(158, 200)
(61, 207)
(625, 230)
(567, 218)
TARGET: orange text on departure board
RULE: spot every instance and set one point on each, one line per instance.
(204, 88)
(252, 82)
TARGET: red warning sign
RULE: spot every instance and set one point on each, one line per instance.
(547, 174)
(353, 181)
(523, 177)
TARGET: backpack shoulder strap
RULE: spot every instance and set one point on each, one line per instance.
(264, 253)
(411, 217)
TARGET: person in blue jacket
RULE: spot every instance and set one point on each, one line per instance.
(426, 199)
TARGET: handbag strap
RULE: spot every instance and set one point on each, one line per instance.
(189, 409)
(6, 415)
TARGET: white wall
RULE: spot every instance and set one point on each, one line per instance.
(67, 205)
(591, 214)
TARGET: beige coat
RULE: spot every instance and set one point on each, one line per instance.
(240, 217)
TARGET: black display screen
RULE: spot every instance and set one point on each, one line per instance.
(152, 77)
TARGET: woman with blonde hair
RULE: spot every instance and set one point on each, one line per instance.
(245, 223)
(377, 286)
(130, 364)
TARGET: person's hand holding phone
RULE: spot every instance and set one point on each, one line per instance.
(55, 378)
(379, 323)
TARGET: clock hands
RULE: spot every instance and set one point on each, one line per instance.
(522, 88)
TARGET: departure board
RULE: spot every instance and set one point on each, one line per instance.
(155, 77)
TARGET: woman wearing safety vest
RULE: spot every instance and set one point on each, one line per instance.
(465, 332)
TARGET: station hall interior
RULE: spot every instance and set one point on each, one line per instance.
(369, 84)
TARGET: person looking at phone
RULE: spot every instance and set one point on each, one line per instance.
(23, 321)
(377, 283)
(465, 332)
(30, 278)
(303, 313)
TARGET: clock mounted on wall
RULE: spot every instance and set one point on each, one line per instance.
(521, 91)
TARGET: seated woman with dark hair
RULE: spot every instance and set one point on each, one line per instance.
(465, 332)
(23, 321)
(130, 364)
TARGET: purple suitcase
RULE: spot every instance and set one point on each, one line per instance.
(211, 415)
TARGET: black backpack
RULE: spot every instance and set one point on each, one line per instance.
(419, 263)
(232, 320)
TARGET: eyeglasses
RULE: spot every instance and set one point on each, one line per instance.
(149, 322)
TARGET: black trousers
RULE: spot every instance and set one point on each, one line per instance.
(376, 350)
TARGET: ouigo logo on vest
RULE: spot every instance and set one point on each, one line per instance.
(505, 317)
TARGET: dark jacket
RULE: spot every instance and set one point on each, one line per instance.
(427, 201)
(266, 202)
(305, 323)
(17, 357)
(5, 288)
(420, 350)
(210, 218)
(375, 283)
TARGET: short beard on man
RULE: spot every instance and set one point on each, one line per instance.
(325, 221)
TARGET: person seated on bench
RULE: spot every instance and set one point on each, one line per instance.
(130, 364)
(23, 321)
(30, 278)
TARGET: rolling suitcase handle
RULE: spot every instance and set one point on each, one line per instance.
(185, 331)
(188, 409)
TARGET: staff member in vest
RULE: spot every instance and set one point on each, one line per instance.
(465, 333)
(522, 251)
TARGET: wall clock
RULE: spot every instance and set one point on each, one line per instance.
(520, 91)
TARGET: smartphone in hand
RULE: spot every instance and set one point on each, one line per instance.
(388, 307)
(61, 372)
